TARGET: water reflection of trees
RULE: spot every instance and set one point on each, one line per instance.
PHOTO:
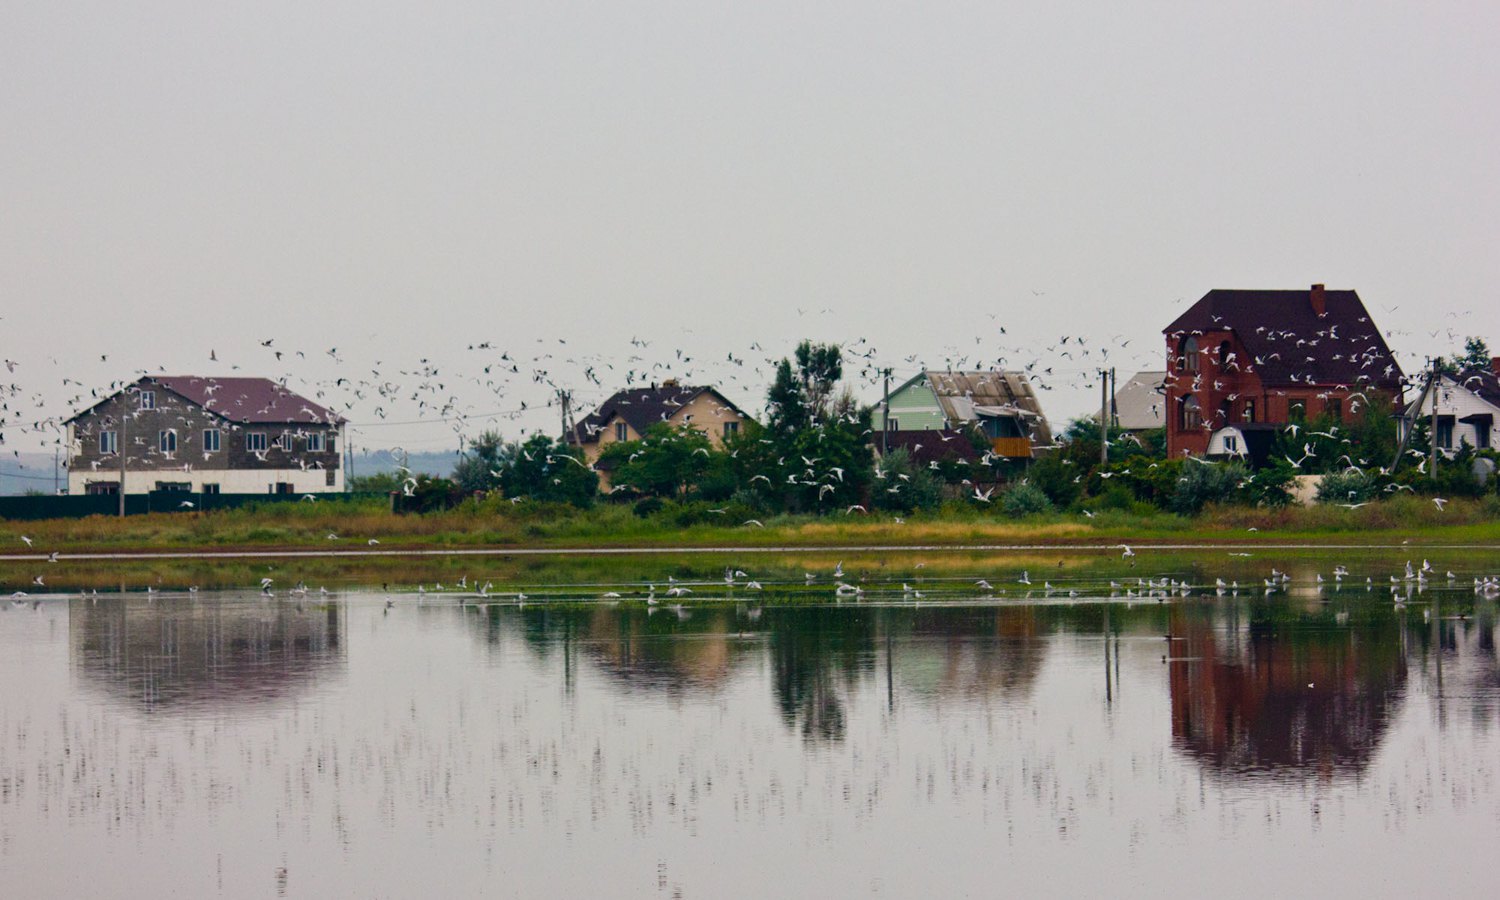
(1267, 687)
(820, 658)
(173, 654)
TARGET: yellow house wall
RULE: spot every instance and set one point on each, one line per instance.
(704, 413)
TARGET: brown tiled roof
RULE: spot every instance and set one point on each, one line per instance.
(641, 408)
(1341, 347)
(248, 400)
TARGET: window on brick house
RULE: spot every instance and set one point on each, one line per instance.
(1190, 354)
(1334, 407)
(1191, 417)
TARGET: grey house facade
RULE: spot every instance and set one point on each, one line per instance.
(205, 435)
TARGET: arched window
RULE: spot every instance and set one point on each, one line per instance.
(1191, 418)
(1190, 354)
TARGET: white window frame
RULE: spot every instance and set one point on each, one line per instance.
(148, 399)
(109, 442)
(256, 437)
(212, 440)
(166, 440)
(315, 442)
(621, 431)
(731, 428)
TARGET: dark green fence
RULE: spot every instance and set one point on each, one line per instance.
(78, 506)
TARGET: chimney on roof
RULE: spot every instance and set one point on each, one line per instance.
(669, 383)
(1319, 300)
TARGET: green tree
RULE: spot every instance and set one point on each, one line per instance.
(548, 470)
(480, 467)
(817, 454)
(1476, 355)
(904, 487)
(802, 396)
(668, 461)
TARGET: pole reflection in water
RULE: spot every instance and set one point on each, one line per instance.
(231, 745)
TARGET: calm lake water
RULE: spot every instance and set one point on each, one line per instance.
(1316, 739)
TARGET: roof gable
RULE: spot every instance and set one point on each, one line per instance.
(640, 408)
(247, 401)
(1481, 382)
(967, 396)
(1289, 343)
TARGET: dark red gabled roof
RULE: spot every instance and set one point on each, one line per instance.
(1290, 344)
(250, 401)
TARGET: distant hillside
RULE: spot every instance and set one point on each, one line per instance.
(30, 471)
(438, 462)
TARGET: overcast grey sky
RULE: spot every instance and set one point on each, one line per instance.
(400, 180)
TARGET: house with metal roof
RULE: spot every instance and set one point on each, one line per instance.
(205, 434)
(628, 414)
(1002, 405)
(1140, 403)
(1240, 360)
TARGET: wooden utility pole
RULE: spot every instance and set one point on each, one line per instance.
(124, 436)
(1103, 417)
(885, 418)
(564, 399)
(1436, 382)
(1114, 408)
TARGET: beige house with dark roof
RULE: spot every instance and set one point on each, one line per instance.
(628, 414)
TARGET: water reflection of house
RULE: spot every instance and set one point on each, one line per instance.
(173, 654)
(991, 653)
(1261, 697)
(660, 649)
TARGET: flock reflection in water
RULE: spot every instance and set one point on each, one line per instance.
(1256, 686)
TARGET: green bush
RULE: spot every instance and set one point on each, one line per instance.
(649, 507)
(906, 487)
(1349, 486)
(1025, 499)
(1205, 483)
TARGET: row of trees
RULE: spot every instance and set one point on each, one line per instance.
(815, 454)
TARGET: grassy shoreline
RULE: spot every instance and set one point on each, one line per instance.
(353, 525)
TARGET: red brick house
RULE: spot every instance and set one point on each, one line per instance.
(1242, 363)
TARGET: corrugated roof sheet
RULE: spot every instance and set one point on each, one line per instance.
(966, 395)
